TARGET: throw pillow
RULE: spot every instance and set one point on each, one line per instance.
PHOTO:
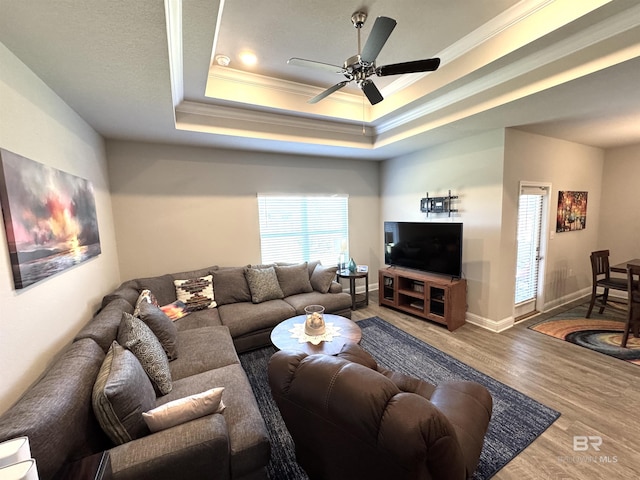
(185, 409)
(293, 279)
(175, 310)
(162, 327)
(196, 293)
(145, 296)
(263, 283)
(322, 277)
(231, 286)
(134, 335)
(122, 391)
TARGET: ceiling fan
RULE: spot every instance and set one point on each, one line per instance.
(363, 65)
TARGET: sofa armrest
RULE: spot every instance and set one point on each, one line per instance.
(335, 287)
(194, 450)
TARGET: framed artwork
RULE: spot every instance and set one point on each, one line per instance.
(49, 218)
(572, 211)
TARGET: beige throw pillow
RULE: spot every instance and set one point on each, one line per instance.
(185, 409)
(196, 293)
(322, 277)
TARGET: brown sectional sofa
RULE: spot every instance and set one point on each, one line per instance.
(56, 412)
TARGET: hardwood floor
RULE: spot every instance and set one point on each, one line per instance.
(597, 395)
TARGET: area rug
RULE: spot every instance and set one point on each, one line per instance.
(517, 420)
(601, 333)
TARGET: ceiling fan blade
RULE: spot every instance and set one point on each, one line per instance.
(380, 32)
(301, 62)
(327, 92)
(428, 65)
(371, 92)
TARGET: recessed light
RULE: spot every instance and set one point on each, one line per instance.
(222, 60)
(248, 58)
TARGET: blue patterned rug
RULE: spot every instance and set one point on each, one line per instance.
(517, 419)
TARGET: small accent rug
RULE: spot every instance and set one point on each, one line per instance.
(601, 333)
(517, 419)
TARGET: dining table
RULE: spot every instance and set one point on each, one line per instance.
(622, 267)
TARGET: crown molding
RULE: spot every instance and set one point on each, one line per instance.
(493, 27)
(607, 29)
(290, 123)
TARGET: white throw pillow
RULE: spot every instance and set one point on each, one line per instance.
(185, 409)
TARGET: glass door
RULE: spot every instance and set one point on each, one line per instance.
(531, 210)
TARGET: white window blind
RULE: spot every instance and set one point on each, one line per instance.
(299, 228)
(529, 218)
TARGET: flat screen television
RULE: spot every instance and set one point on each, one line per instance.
(432, 247)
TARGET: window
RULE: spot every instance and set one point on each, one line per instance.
(299, 228)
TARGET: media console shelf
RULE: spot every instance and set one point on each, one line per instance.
(432, 297)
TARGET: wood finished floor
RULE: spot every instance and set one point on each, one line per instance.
(597, 395)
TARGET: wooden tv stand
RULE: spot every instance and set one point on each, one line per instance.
(436, 298)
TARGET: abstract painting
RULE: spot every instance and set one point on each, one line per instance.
(49, 218)
(572, 211)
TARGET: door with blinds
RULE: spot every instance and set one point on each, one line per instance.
(532, 219)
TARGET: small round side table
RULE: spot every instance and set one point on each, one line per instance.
(361, 299)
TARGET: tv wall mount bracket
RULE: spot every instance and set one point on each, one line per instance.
(438, 204)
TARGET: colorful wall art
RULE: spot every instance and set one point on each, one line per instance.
(572, 211)
(49, 218)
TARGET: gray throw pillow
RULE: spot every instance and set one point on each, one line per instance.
(134, 335)
(230, 286)
(294, 279)
(162, 327)
(121, 392)
(263, 283)
(322, 277)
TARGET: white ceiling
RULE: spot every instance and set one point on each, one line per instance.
(141, 70)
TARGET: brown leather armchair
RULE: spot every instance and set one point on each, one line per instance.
(351, 419)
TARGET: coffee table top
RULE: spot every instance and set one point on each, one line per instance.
(349, 333)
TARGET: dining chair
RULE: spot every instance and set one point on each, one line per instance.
(633, 310)
(601, 277)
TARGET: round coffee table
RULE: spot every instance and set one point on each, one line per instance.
(349, 333)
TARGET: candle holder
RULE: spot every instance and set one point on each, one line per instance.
(314, 324)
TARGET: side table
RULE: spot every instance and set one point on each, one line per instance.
(361, 299)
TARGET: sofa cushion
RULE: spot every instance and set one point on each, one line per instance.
(293, 279)
(216, 342)
(162, 327)
(322, 277)
(121, 393)
(134, 335)
(263, 284)
(161, 286)
(196, 293)
(230, 286)
(184, 409)
(201, 318)
(332, 302)
(247, 317)
(103, 327)
(127, 290)
(248, 437)
(60, 401)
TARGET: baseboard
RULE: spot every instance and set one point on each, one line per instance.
(496, 326)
